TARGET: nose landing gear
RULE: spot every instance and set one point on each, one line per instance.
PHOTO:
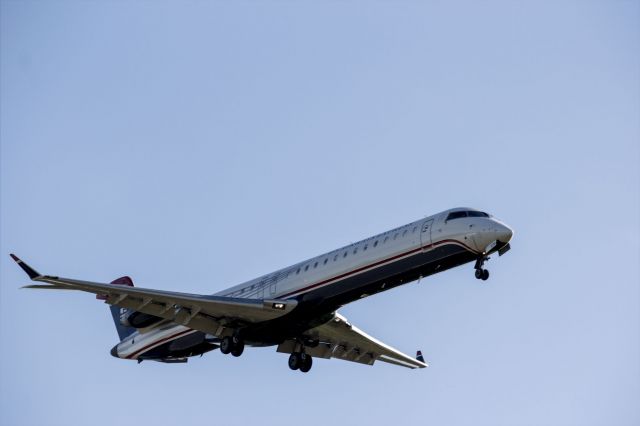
(481, 274)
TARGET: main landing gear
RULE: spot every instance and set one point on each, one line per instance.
(233, 345)
(300, 361)
(481, 274)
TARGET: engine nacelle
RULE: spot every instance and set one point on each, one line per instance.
(136, 319)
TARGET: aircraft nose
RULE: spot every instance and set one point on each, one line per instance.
(503, 233)
(114, 351)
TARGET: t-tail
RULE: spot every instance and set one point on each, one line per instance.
(120, 314)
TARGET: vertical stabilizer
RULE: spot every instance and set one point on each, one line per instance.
(118, 312)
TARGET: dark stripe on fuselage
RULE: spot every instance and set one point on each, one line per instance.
(317, 304)
(387, 276)
(376, 264)
(158, 342)
(318, 301)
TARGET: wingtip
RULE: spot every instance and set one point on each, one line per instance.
(26, 268)
(420, 358)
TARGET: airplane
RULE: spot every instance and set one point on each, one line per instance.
(295, 308)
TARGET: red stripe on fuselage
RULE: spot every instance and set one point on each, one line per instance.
(327, 281)
(159, 342)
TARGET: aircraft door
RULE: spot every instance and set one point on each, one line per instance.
(271, 283)
(260, 293)
(425, 233)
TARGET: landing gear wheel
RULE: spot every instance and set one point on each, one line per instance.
(307, 362)
(226, 345)
(485, 275)
(481, 273)
(238, 348)
(294, 361)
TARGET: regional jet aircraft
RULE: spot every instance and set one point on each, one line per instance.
(295, 308)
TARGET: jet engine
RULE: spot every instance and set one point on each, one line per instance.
(136, 319)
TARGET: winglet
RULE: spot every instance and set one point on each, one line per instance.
(28, 269)
(419, 356)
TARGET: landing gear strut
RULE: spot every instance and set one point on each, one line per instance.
(300, 361)
(481, 274)
(233, 345)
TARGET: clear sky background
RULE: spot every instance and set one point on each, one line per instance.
(196, 145)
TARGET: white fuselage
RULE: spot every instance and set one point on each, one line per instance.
(375, 264)
(471, 233)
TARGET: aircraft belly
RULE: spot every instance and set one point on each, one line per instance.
(388, 276)
(317, 306)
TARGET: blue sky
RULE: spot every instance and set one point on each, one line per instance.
(195, 145)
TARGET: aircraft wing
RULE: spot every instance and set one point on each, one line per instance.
(339, 339)
(209, 314)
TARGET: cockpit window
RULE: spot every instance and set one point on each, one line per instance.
(477, 214)
(456, 215)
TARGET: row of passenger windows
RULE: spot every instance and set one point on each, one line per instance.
(336, 256)
(355, 249)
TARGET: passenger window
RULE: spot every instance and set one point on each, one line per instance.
(414, 229)
(335, 257)
(298, 271)
(345, 254)
(385, 239)
(326, 260)
(355, 250)
(306, 268)
(315, 265)
(365, 247)
(375, 244)
(404, 233)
